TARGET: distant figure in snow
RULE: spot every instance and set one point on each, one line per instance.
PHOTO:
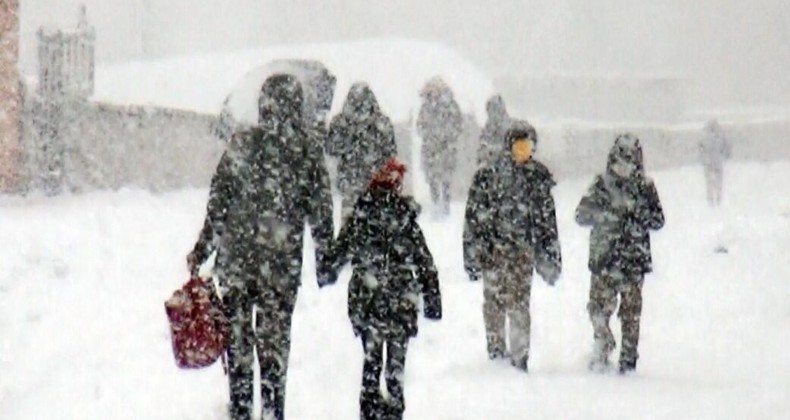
(440, 125)
(622, 207)
(362, 138)
(492, 138)
(510, 230)
(269, 182)
(714, 149)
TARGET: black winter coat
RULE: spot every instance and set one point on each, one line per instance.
(492, 136)
(361, 137)
(269, 182)
(440, 125)
(510, 213)
(392, 266)
(621, 213)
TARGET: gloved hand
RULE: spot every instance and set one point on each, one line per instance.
(326, 278)
(326, 274)
(193, 264)
(432, 307)
(473, 273)
(548, 271)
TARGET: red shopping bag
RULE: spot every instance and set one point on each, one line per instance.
(199, 329)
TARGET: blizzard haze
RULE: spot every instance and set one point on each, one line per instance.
(90, 257)
(731, 54)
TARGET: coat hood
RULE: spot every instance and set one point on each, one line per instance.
(520, 129)
(495, 107)
(280, 100)
(360, 102)
(625, 157)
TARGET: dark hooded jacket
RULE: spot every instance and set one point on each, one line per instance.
(269, 182)
(510, 213)
(440, 125)
(492, 137)
(361, 137)
(392, 265)
(621, 210)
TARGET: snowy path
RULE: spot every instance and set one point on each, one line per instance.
(83, 333)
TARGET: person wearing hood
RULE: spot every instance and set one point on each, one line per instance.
(492, 137)
(510, 230)
(622, 207)
(361, 138)
(714, 150)
(269, 182)
(440, 125)
(392, 269)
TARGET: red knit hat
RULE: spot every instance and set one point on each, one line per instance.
(389, 176)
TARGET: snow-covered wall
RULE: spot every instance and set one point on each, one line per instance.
(396, 69)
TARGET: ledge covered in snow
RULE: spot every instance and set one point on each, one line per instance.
(395, 69)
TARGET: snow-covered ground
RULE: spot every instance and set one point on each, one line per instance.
(83, 333)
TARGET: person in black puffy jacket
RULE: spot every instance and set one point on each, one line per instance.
(622, 207)
(510, 231)
(392, 269)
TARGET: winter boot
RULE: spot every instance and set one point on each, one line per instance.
(390, 410)
(521, 364)
(602, 349)
(373, 406)
(626, 366)
(496, 353)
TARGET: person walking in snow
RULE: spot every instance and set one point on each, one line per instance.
(492, 138)
(362, 138)
(510, 230)
(269, 182)
(392, 269)
(440, 125)
(714, 150)
(622, 207)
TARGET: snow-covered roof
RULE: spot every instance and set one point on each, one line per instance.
(395, 69)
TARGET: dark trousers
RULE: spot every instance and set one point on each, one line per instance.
(270, 338)
(439, 185)
(714, 180)
(506, 294)
(604, 292)
(372, 405)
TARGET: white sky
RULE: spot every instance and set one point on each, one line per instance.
(735, 52)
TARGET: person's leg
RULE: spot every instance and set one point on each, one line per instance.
(494, 314)
(519, 285)
(394, 371)
(601, 306)
(718, 184)
(630, 315)
(370, 400)
(274, 345)
(240, 360)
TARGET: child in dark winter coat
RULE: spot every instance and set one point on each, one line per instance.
(622, 206)
(392, 268)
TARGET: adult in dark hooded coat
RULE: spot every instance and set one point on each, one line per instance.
(440, 125)
(270, 181)
(392, 269)
(492, 137)
(362, 138)
(622, 206)
(510, 230)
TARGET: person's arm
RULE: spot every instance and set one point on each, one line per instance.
(221, 194)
